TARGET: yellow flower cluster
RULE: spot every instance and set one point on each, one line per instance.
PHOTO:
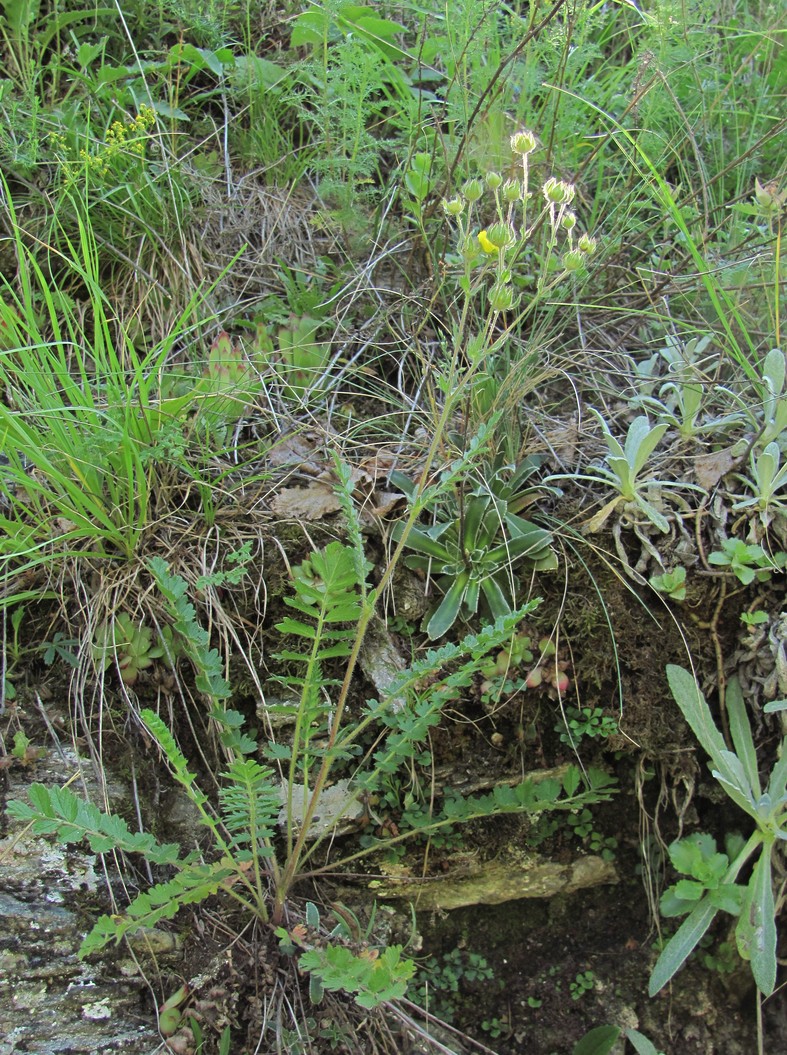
(123, 139)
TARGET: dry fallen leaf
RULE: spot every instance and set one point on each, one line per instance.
(297, 450)
(709, 468)
(305, 503)
(384, 502)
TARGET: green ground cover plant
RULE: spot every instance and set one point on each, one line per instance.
(713, 886)
(250, 867)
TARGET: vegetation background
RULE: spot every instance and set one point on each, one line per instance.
(392, 425)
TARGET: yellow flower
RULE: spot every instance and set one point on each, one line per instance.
(486, 245)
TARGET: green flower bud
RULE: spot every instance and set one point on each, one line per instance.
(587, 245)
(512, 191)
(501, 235)
(558, 192)
(568, 220)
(769, 198)
(453, 207)
(493, 180)
(572, 260)
(501, 297)
(473, 189)
(523, 142)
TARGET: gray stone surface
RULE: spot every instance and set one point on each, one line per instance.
(52, 1003)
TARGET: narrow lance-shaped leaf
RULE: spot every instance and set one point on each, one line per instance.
(777, 785)
(448, 610)
(641, 441)
(495, 597)
(598, 1041)
(756, 930)
(740, 731)
(681, 945)
(734, 781)
(697, 713)
(423, 542)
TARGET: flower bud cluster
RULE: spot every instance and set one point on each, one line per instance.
(500, 243)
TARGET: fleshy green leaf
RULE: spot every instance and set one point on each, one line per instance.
(598, 1041)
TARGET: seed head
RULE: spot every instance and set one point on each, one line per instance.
(501, 235)
(501, 297)
(568, 220)
(512, 191)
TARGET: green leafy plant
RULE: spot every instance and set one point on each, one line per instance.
(623, 472)
(748, 562)
(23, 752)
(494, 1026)
(737, 772)
(581, 722)
(472, 548)
(766, 479)
(372, 975)
(696, 857)
(441, 982)
(581, 824)
(583, 983)
(753, 619)
(722, 957)
(250, 866)
(672, 583)
(683, 398)
(127, 645)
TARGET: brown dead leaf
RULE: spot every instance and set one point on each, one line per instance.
(385, 502)
(709, 468)
(305, 503)
(297, 450)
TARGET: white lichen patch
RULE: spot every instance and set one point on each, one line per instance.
(338, 808)
(97, 1011)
